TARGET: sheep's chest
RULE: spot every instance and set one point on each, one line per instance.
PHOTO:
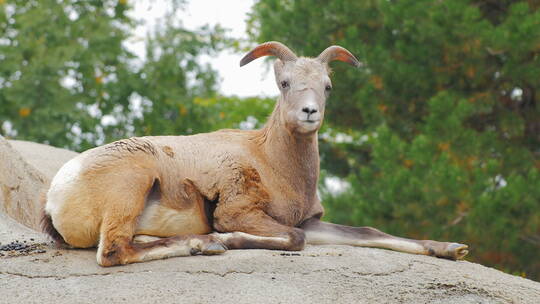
(287, 206)
(289, 201)
(290, 214)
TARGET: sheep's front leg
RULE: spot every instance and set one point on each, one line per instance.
(318, 232)
(257, 230)
(293, 241)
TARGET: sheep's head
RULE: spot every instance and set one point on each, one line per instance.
(304, 83)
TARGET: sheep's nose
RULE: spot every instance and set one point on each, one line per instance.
(309, 110)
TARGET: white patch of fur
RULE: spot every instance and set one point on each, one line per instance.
(399, 245)
(178, 249)
(62, 182)
(99, 254)
(224, 237)
(141, 238)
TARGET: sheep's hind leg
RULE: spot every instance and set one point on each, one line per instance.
(116, 245)
(124, 251)
(318, 232)
(197, 244)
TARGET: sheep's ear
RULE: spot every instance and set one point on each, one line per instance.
(272, 48)
(338, 53)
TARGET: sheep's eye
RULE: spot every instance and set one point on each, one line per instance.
(328, 88)
(284, 84)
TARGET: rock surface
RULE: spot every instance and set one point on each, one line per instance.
(46, 159)
(20, 186)
(321, 274)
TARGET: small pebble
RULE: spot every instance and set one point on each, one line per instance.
(17, 248)
(290, 254)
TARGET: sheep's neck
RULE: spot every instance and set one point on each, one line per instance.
(294, 158)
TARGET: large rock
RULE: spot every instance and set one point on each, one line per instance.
(25, 171)
(44, 158)
(322, 274)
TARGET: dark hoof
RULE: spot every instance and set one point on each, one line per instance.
(457, 251)
(214, 248)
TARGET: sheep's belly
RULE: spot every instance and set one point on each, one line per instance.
(161, 221)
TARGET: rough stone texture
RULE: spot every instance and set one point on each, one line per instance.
(322, 274)
(20, 186)
(46, 159)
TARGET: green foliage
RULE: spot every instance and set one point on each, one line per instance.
(66, 78)
(235, 112)
(40, 46)
(444, 117)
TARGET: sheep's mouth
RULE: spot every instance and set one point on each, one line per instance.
(310, 121)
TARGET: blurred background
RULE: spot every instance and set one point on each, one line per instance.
(437, 136)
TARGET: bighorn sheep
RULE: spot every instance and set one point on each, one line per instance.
(206, 193)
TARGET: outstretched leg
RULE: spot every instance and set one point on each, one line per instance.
(318, 232)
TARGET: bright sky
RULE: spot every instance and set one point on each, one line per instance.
(253, 79)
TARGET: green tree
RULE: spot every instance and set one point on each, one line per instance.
(442, 122)
(66, 78)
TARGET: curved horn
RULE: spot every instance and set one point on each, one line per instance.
(335, 52)
(272, 48)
